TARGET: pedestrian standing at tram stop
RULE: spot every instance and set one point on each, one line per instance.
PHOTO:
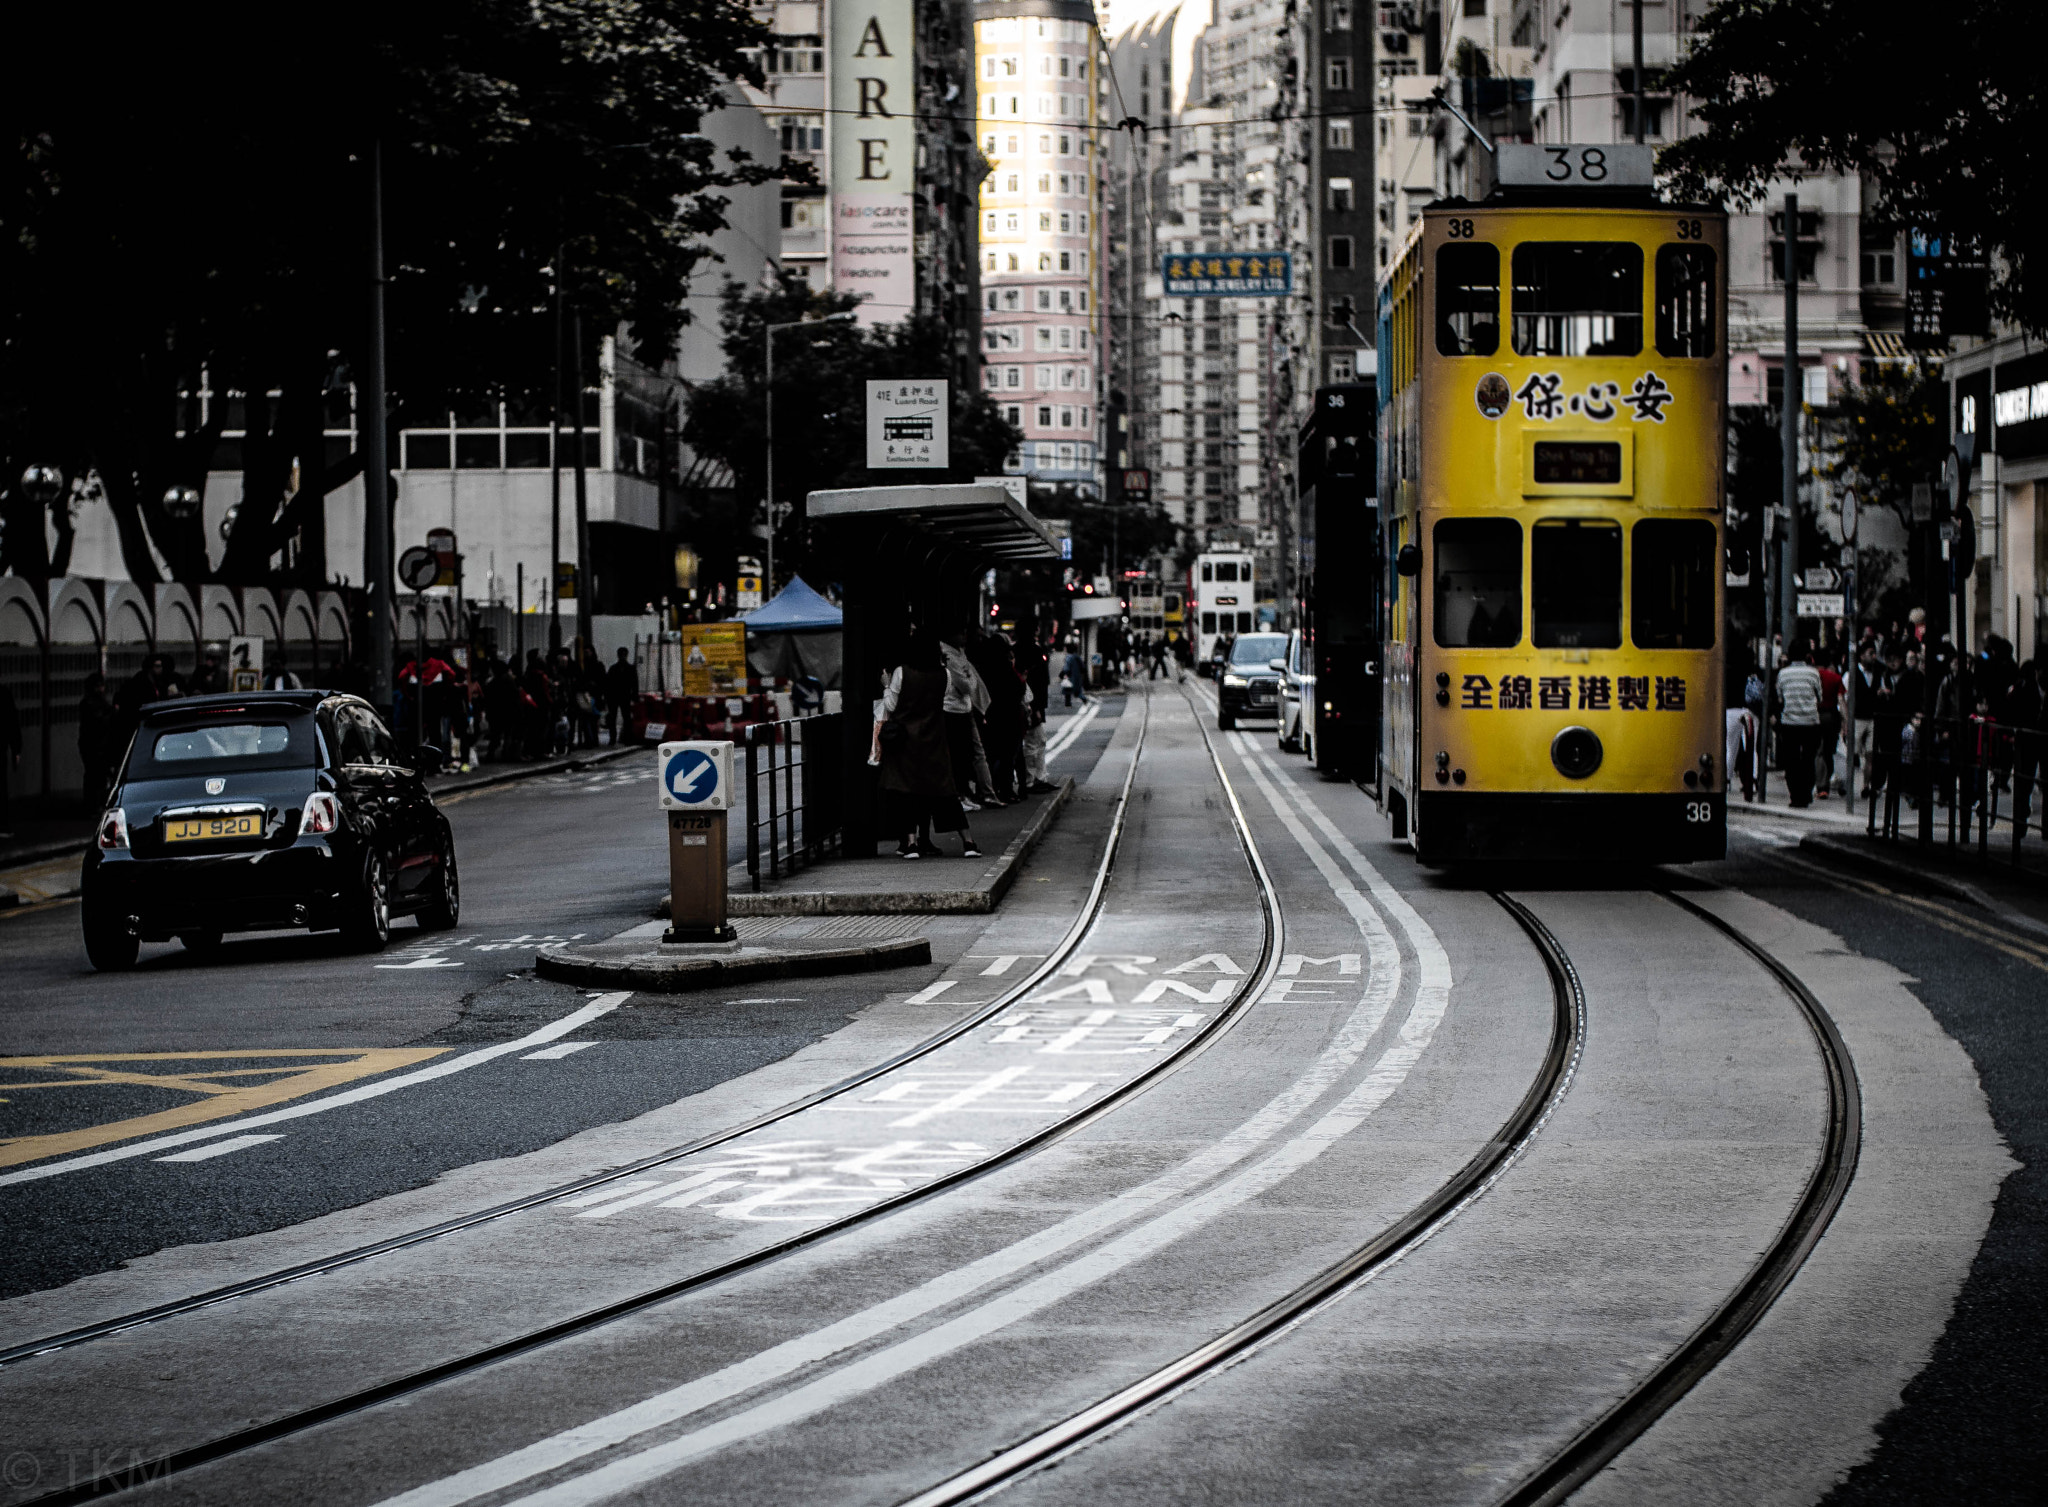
(1799, 725)
(916, 781)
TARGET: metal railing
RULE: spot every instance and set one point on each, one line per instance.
(793, 796)
(1957, 773)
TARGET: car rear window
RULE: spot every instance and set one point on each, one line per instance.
(1259, 650)
(234, 742)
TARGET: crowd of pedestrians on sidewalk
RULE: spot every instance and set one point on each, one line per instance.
(959, 727)
(1983, 743)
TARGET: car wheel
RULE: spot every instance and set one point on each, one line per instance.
(368, 922)
(443, 910)
(205, 943)
(1226, 721)
(109, 946)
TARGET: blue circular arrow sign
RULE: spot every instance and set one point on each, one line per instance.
(691, 776)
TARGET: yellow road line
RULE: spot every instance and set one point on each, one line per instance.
(219, 1101)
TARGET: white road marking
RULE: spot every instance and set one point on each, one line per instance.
(421, 962)
(654, 1194)
(930, 992)
(221, 1148)
(959, 1099)
(697, 1195)
(1062, 740)
(1003, 962)
(1382, 987)
(557, 1052)
(602, 1194)
(603, 1004)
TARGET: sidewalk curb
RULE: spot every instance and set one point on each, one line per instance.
(981, 900)
(652, 973)
(1896, 868)
(483, 780)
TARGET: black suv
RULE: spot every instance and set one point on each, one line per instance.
(1248, 685)
(264, 810)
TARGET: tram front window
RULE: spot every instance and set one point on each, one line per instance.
(1578, 298)
(1467, 299)
(1575, 579)
(1478, 584)
(1672, 594)
(1685, 300)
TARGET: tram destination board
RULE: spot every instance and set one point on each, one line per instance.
(1591, 463)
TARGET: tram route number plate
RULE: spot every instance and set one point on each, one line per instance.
(1589, 463)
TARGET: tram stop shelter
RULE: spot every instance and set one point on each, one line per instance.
(909, 557)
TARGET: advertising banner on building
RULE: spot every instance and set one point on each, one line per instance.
(715, 659)
(907, 425)
(873, 145)
(1230, 274)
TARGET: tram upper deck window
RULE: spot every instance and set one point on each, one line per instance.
(1672, 589)
(1575, 580)
(1685, 300)
(1467, 299)
(1578, 298)
(1478, 586)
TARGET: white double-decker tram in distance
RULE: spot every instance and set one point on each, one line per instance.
(1223, 597)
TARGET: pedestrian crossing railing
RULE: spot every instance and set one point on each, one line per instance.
(793, 797)
(1968, 775)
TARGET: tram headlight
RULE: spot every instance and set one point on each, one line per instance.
(1576, 752)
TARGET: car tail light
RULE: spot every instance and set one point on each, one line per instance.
(322, 814)
(114, 829)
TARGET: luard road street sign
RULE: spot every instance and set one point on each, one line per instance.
(696, 776)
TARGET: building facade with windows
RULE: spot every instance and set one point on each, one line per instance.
(1219, 384)
(793, 102)
(1038, 84)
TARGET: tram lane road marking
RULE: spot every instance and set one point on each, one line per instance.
(13, 1153)
(557, 1052)
(1175, 1201)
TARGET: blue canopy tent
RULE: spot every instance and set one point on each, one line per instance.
(795, 635)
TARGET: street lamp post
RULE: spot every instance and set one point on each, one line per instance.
(768, 334)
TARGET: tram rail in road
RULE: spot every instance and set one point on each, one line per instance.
(1570, 1467)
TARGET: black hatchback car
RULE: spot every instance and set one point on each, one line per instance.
(265, 810)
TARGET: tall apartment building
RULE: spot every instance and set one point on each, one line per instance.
(1039, 108)
(793, 101)
(1343, 154)
(1221, 383)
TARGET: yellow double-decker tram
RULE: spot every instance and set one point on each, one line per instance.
(1553, 395)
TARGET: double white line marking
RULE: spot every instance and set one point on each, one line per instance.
(1173, 1201)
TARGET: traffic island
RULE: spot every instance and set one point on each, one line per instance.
(884, 884)
(646, 964)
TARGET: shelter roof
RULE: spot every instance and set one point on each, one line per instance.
(984, 521)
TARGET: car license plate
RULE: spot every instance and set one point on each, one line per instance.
(213, 828)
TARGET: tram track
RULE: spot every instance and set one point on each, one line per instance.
(1594, 1447)
(1601, 1441)
(175, 1462)
(321, 1266)
(1545, 1092)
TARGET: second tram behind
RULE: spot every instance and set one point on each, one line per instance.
(1552, 395)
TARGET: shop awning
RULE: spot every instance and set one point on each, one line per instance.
(984, 521)
(1886, 344)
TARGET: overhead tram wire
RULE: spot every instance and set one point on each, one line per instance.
(174, 1462)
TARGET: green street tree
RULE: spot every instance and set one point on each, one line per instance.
(821, 404)
(200, 209)
(1951, 132)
